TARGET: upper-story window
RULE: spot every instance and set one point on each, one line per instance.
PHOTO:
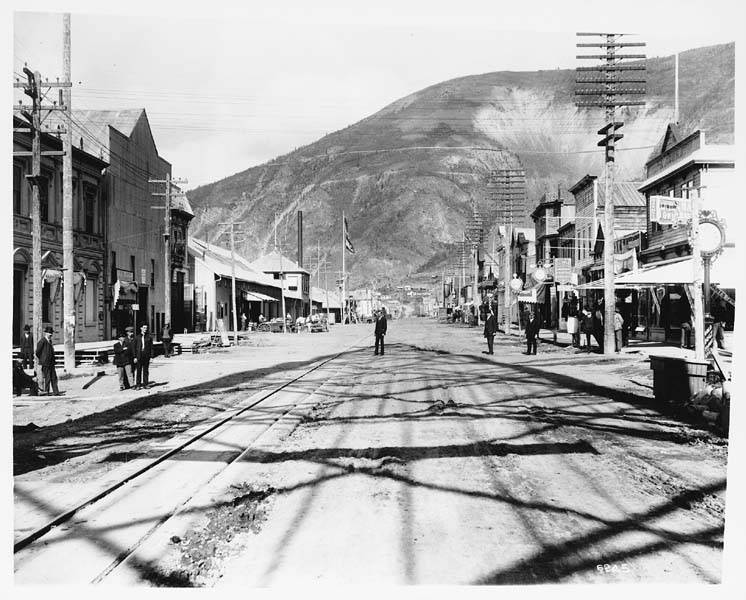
(89, 209)
(44, 198)
(17, 188)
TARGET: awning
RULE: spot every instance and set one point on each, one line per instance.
(257, 297)
(124, 289)
(724, 272)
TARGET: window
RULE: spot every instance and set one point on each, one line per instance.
(113, 266)
(91, 302)
(46, 302)
(152, 273)
(17, 187)
(89, 209)
(132, 267)
(44, 199)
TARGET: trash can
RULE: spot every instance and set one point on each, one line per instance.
(677, 379)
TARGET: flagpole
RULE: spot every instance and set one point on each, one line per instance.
(344, 291)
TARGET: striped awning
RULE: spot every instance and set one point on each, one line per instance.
(532, 295)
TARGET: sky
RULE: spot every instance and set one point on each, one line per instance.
(239, 85)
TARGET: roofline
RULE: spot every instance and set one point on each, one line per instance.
(677, 167)
(582, 182)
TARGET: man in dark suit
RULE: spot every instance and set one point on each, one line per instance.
(143, 354)
(45, 355)
(129, 348)
(490, 327)
(27, 348)
(380, 330)
(121, 361)
(532, 331)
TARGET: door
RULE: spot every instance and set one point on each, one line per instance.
(19, 277)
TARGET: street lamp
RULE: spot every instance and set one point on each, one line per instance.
(711, 242)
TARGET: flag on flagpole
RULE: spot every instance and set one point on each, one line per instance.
(348, 242)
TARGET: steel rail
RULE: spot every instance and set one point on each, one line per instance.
(67, 515)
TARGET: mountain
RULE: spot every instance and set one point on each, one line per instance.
(406, 176)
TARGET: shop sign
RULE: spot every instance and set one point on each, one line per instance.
(135, 307)
(565, 288)
(125, 275)
(666, 210)
(563, 270)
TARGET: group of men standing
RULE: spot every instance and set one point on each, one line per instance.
(132, 356)
(532, 331)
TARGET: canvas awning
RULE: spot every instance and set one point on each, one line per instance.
(257, 297)
(724, 272)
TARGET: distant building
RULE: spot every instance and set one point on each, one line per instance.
(210, 268)
(297, 281)
(89, 231)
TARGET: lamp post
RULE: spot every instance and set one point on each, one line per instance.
(711, 241)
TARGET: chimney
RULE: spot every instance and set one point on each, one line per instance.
(300, 238)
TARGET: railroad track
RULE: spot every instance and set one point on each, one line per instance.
(89, 528)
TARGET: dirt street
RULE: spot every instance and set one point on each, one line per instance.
(436, 464)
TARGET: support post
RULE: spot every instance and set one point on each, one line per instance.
(68, 264)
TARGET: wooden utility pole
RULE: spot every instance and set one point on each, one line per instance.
(282, 283)
(232, 225)
(604, 88)
(169, 181)
(509, 195)
(68, 239)
(33, 114)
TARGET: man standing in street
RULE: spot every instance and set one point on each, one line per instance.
(618, 325)
(490, 327)
(129, 347)
(380, 330)
(27, 348)
(45, 355)
(166, 338)
(143, 354)
(121, 360)
(532, 331)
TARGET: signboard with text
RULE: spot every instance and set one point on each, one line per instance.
(666, 210)
(562, 270)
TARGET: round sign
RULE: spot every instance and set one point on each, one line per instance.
(711, 236)
(516, 284)
(539, 274)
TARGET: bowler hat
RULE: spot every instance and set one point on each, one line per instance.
(48, 329)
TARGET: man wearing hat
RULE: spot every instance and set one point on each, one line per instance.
(130, 350)
(45, 355)
(27, 348)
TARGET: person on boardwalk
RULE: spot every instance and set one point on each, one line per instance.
(166, 339)
(129, 346)
(121, 361)
(380, 330)
(586, 326)
(572, 321)
(532, 331)
(490, 327)
(27, 348)
(45, 356)
(618, 326)
(598, 325)
(243, 321)
(143, 354)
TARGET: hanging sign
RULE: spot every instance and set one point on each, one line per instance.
(563, 270)
(666, 210)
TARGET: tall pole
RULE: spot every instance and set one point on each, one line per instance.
(282, 283)
(68, 268)
(606, 88)
(699, 317)
(32, 88)
(233, 285)
(345, 311)
(168, 181)
(36, 213)
(167, 252)
(507, 276)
